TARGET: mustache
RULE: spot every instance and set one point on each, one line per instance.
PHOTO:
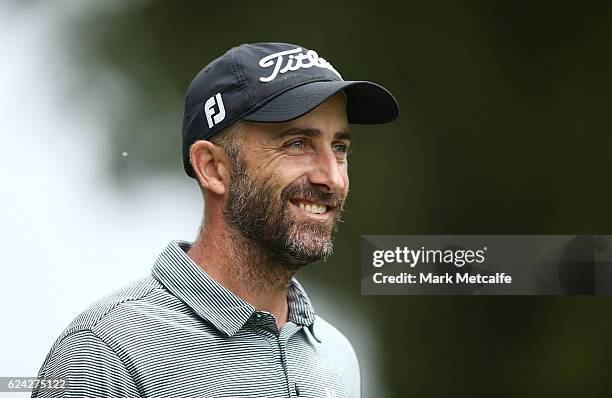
(306, 191)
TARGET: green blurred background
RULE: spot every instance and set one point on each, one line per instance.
(505, 127)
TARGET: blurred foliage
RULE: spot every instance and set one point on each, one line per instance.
(505, 128)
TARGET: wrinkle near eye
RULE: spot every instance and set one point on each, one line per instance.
(269, 154)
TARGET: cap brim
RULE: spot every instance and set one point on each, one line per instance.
(367, 102)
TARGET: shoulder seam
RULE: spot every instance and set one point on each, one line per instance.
(119, 358)
(95, 322)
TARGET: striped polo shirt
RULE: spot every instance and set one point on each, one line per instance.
(179, 333)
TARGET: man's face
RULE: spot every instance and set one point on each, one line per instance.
(289, 186)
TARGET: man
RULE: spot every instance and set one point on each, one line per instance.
(266, 136)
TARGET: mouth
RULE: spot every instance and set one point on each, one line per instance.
(317, 210)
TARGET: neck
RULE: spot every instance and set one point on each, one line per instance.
(239, 264)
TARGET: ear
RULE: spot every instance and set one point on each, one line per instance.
(211, 165)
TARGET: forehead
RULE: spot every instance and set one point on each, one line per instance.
(329, 118)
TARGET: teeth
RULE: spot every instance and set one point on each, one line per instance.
(313, 208)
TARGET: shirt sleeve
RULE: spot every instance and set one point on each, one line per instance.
(89, 366)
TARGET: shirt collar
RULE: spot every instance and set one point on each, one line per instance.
(211, 300)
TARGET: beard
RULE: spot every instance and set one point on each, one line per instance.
(256, 211)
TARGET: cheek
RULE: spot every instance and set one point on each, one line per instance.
(345, 177)
(276, 174)
(289, 172)
(280, 180)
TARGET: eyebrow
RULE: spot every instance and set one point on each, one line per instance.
(310, 132)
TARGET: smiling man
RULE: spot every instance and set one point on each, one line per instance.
(266, 135)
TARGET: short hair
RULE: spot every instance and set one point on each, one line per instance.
(231, 139)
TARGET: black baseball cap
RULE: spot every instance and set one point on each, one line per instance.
(273, 82)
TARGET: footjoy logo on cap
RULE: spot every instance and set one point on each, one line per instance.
(295, 60)
(210, 111)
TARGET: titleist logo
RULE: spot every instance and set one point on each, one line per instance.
(295, 60)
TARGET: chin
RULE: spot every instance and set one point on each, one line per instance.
(307, 247)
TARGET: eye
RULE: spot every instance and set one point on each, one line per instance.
(296, 144)
(341, 148)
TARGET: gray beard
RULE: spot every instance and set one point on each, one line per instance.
(257, 215)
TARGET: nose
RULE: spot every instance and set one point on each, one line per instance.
(327, 173)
